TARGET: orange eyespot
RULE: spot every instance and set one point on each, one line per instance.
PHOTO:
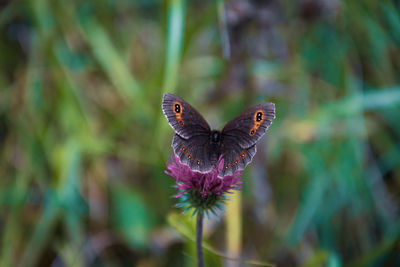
(236, 161)
(257, 119)
(258, 116)
(189, 156)
(242, 155)
(177, 108)
(183, 148)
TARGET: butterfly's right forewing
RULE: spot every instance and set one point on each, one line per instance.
(246, 129)
(240, 135)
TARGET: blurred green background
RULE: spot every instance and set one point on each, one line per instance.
(83, 141)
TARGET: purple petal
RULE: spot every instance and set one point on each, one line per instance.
(205, 183)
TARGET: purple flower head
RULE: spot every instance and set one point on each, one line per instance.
(202, 191)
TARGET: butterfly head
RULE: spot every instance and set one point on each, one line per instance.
(215, 137)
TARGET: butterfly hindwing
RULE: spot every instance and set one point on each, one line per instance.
(236, 158)
(193, 152)
(183, 118)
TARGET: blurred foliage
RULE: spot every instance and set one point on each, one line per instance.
(84, 142)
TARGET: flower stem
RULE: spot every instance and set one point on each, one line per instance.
(199, 237)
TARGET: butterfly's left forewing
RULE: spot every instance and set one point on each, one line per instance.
(183, 118)
(191, 141)
(241, 134)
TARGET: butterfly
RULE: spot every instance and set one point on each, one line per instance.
(199, 147)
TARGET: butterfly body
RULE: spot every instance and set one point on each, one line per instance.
(215, 147)
(200, 148)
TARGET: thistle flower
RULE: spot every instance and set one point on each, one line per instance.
(202, 191)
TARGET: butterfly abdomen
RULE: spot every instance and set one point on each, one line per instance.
(214, 154)
(215, 147)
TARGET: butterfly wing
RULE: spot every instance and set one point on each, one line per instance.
(183, 118)
(236, 158)
(191, 141)
(241, 134)
(193, 152)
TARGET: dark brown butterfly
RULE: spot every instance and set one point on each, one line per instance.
(199, 147)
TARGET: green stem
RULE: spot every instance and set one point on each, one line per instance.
(199, 237)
